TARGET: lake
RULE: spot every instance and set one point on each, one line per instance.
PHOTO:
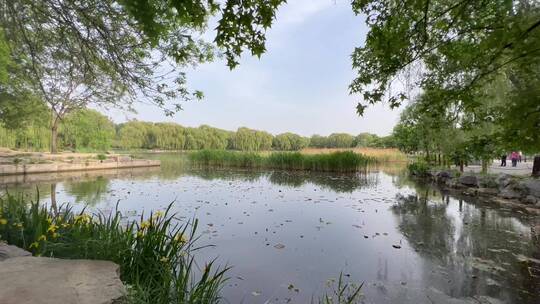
(289, 235)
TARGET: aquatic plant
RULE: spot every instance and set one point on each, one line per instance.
(341, 161)
(155, 253)
(341, 292)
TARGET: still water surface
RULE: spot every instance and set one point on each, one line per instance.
(288, 234)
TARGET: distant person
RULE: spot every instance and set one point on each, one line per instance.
(503, 160)
(519, 156)
(514, 157)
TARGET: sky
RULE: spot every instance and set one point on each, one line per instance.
(299, 85)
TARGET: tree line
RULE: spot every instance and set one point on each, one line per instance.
(89, 130)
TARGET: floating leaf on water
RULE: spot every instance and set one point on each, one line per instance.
(396, 246)
(255, 293)
(279, 246)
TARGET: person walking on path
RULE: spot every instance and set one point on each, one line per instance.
(514, 157)
(503, 160)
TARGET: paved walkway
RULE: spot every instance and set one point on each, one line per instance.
(523, 168)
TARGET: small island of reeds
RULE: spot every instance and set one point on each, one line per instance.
(340, 161)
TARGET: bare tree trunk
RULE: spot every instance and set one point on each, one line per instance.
(536, 166)
(461, 165)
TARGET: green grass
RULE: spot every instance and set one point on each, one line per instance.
(342, 161)
(155, 254)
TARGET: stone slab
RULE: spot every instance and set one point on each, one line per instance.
(39, 280)
(9, 251)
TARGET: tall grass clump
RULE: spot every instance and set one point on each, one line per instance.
(223, 158)
(155, 254)
(342, 161)
(341, 292)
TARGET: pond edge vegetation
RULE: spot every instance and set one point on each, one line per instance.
(155, 254)
(340, 161)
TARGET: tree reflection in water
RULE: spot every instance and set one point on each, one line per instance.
(469, 250)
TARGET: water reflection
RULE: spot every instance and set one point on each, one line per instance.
(470, 251)
(90, 192)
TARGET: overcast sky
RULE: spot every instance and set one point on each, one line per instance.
(299, 85)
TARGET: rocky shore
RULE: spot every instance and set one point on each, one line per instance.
(504, 189)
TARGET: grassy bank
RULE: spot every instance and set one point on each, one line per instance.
(345, 161)
(154, 254)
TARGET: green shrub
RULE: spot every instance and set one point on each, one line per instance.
(418, 168)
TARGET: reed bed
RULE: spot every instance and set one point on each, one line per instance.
(379, 154)
(341, 161)
(155, 254)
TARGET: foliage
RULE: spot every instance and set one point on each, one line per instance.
(251, 140)
(345, 161)
(419, 168)
(155, 254)
(456, 46)
(289, 142)
(87, 129)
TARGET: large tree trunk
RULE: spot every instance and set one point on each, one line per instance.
(536, 166)
(54, 131)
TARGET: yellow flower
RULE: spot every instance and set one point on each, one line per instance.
(145, 225)
(83, 219)
(18, 225)
(34, 245)
(158, 214)
(164, 259)
(3, 222)
(52, 228)
(140, 234)
(42, 238)
(49, 220)
(65, 225)
(180, 238)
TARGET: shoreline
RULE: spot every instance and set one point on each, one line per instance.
(520, 193)
(118, 163)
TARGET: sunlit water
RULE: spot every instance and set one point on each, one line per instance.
(287, 235)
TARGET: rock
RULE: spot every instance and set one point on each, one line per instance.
(488, 191)
(469, 180)
(487, 182)
(509, 193)
(503, 180)
(9, 251)
(31, 280)
(531, 187)
(444, 176)
(530, 200)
